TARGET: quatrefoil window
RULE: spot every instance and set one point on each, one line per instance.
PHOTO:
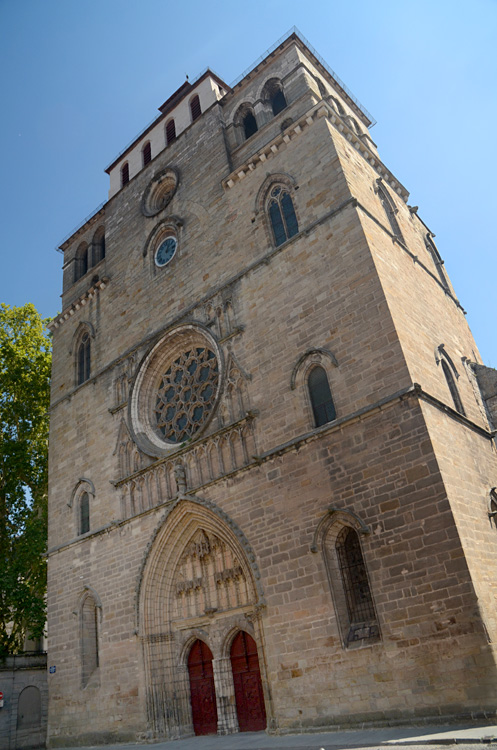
(186, 394)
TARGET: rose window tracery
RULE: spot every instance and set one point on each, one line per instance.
(186, 394)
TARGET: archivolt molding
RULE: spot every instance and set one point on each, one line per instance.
(311, 356)
(169, 225)
(275, 178)
(88, 591)
(82, 485)
(441, 353)
(83, 327)
(337, 515)
(181, 521)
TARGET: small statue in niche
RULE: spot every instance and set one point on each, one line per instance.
(180, 477)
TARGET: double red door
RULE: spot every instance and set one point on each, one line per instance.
(247, 680)
(202, 691)
(248, 686)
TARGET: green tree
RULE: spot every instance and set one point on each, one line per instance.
(25, 356)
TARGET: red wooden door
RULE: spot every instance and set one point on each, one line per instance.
(202, 691)
(248, 686)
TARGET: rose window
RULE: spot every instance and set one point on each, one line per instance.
(186, 394)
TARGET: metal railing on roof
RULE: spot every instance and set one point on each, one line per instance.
(78, 226)
(295, 30)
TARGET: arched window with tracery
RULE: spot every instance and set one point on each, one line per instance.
(390, 209)
(89, 639)
(322, 404)
(170, 131)
(195, 107)
(282, 216)
(83, 359)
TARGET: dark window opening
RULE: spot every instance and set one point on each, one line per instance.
(84, 359)
(81, 263)
(170, 132)
(282, 215)
(84, 513)
(323, 407)
(249, 125)
(124, 174)
(195, 108)
(147, 154)
(278, 102)
(449, 377)
(359, 602)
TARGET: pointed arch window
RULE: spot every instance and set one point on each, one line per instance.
(322, 404)
(390, 209)
(281, 214)
(89, 639)
(454, 392)
(83, 359)
(195, 108)
(278, 102)
(170, 131)
(437, 260)
(349, 582)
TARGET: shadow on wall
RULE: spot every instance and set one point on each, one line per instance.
(23, 717)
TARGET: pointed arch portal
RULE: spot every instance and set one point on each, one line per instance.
(199, 622)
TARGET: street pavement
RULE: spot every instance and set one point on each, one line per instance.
(465, 736)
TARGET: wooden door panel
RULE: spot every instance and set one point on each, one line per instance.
(249, 696)
(202, 690)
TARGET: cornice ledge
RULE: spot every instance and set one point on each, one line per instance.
(321, 109)
(78, 304)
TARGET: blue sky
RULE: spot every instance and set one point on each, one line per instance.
(80, 79)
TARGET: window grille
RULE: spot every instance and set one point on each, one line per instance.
(359, 602)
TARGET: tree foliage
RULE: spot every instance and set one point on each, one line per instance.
(24, 399)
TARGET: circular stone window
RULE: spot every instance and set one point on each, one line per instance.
(176, 390)
(159, 192)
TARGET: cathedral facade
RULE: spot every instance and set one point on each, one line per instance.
(272, 457)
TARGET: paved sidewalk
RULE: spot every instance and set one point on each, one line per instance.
(464, 735)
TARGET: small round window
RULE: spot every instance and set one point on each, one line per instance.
(166, 251)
